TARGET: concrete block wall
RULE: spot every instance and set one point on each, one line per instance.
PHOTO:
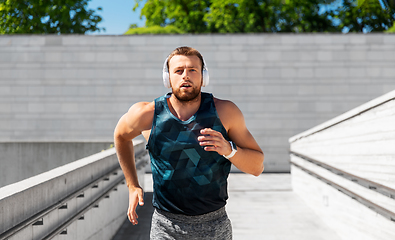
(21, 160)
(75, 87)
(357, 196)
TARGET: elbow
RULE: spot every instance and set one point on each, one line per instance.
(119, 139)
(259, 169)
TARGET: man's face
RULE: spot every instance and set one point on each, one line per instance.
(185, 77)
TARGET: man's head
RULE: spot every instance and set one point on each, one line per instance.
(185, 51)
(185, 73)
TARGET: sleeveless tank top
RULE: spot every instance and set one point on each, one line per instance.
(187, 179)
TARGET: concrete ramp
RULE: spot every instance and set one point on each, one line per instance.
(263, 207)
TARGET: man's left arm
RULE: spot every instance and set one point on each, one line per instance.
(249, 156)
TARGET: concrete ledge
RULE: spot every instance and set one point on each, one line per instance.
(346, 116)
(360, 142)
(372, 196)
(22, 200)
(349, 218)
(344, 169)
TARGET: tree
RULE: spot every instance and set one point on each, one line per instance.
(307, 16)
(392, 29)
(50, 16)
(186, 15)
(153, 30)
(390, 4)
(269, 16)
(243, 16)
(235, 16)
(231, 16)
(366, 16)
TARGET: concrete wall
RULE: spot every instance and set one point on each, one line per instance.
(21, 160)
(361, 141)
(361, 144)
(74, 186)
(75, 88)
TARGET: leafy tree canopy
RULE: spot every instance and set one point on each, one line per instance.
(49, 16)
(169, 29)
(246, 16)
(366, 15)
(183, 14)
(392, 29)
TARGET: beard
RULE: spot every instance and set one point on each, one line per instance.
(184, 96)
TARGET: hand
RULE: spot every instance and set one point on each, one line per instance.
(135, 196)
(214, 141)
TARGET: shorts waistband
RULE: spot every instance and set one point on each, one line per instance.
(196, 218)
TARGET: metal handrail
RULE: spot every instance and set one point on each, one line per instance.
(384, 190)
(38, 216)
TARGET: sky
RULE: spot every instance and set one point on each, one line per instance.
(117, 15)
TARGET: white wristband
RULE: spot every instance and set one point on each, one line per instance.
(234, 150)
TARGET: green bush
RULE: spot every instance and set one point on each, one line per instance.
(391, 29)
(154, 30)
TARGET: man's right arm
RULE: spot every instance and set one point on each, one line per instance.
(137, 119)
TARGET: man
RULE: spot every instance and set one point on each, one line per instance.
(193, 138)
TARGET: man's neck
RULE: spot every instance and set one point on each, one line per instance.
(184, 110)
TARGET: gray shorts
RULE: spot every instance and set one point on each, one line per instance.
(213, 225)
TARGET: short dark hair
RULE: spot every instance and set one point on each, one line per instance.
(185, 51)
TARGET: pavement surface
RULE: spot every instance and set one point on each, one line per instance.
(263, 207)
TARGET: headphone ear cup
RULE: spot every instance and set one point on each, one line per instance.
(206, 78)
(166, 79)
(165, 75)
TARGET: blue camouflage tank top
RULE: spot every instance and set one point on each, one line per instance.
(187, 179)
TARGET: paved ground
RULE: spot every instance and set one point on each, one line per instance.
(263, 207)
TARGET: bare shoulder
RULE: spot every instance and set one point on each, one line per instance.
(140, 115)
(138, 119)
(225, 106)
(142, 109)
(228, 112)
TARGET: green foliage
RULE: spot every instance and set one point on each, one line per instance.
(304, 16)
(392, 29)
(365, 16)
(154, 30)
(244, 16)
(186, 15)
(269, 16)
(49, 16)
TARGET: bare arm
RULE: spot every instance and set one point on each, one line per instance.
(137, 119)
(249, 157)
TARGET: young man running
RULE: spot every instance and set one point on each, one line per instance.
(193, 139)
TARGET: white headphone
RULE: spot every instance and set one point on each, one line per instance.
(166, 77)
